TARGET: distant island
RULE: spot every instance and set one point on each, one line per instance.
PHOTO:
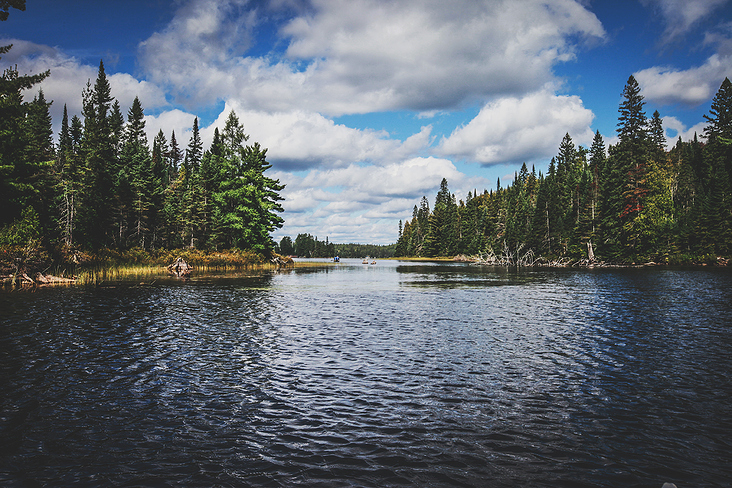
(635, 202)
(307, 246)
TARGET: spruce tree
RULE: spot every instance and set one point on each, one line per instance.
(192, 197)
(720, 113)
(597, 167)
(625, 178)
(97, 224)
(68, 177)
(160, 182)
(116, 127)
(715, 214)
(137, 166)
(20, 168)
(211, 172)
(656, 133)
(195, 148)
(175, 157)
(40, 132)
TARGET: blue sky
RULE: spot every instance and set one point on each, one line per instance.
(365, 105)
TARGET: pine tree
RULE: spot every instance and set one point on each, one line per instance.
(715, 215)
(246, 200)
(211, 172)
(519, 212)
(656, 133)
(137, 167)
(175, 157)
(566, 182)
(40, 151)
(192, 196)
(172, 214)
(554, 212)
(68, 177)
(195, 148)
(160, 182)
(20, 168)
(632, 120)
(539, 238)
(24, 173)
(97, 212)
(39, 123)
(597, 168)
(624, 179)
(265, 197)
(720, 113)
(441, 236)
(116, 128)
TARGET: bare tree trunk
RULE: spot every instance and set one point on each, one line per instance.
(590, 252)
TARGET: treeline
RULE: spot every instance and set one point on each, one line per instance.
(353, 250)
(104, 186)
(634, 202)
(305, 245)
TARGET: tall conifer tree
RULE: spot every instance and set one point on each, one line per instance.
(96, 214)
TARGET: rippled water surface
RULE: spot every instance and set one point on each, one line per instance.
(394, 374)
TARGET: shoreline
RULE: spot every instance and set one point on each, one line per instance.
(720, 262)
(77, 267)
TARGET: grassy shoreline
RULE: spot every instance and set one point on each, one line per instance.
(31, 267)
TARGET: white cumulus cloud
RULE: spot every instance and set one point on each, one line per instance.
(69, 77)
(518, 129)
(693, 86)
(365, 200)
(674, 129)
(298, 140)
(361, 56)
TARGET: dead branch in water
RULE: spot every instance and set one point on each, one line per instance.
(509, 257)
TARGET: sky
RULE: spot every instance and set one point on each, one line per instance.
(366, 105)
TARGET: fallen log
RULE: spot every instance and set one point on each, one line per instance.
(51, 279)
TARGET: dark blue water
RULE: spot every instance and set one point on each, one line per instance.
(395, 374)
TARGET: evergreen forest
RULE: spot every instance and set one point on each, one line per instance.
(636, 201)
(305, 245)
(104, 186)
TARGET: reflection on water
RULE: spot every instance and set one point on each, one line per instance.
(395, 374)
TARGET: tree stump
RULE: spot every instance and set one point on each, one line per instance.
(180, 268)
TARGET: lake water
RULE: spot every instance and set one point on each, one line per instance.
(393, 374)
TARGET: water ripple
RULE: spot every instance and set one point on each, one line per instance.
(368, 376)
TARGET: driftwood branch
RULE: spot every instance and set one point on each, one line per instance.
(282, 261)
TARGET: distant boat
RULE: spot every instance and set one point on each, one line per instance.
(373, 262)
(336, 259)
(365, 260)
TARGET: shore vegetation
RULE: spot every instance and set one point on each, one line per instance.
(632, 202)
(104, 196)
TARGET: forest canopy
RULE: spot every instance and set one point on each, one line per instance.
(634, 201)
(104, 186)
